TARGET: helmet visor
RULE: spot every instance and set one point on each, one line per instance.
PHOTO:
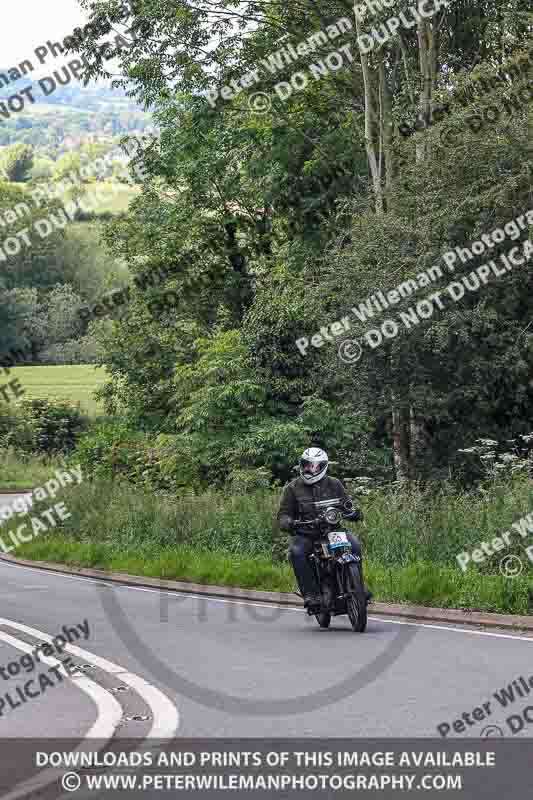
(312, 467)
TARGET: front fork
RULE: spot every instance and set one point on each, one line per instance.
(345, 588)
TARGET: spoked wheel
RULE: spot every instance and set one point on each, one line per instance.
(356, 600)
(323, 618)
(326, 590)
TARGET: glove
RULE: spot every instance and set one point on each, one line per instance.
(286, 523)
(305, 530)
(355, 516)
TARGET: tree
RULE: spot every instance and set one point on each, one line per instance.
(16, 162)
(465, 370)
(19, 325)
(60, 314)
(241, 203)
(33, 265)
(42, 168)
(68, 170)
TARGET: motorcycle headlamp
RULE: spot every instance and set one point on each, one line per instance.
(332, 515)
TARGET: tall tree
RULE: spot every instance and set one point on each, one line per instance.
(16, 163)
(239, 199)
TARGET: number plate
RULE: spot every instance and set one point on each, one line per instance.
(338, 539)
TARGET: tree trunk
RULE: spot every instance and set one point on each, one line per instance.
(427, 54)
(401, 445)
(408, 430)
(371, 129)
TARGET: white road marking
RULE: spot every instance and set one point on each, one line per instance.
(32, 586)
(386, 619)
(165, 714)
(458, 630)
(108, 716)
(300, 611)
(109, 710)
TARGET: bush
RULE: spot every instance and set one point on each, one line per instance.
(8, 422)
(242, 481)
(105, 450)
(41, 427)
(121, 517)
(84, 350)
(161, 463)
(113, 450)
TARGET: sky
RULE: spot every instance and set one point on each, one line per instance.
(27, 24)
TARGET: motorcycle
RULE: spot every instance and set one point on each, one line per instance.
(337, 569)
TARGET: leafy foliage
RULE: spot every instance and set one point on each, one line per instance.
(16, 162)
(269, 226)
(41, 426)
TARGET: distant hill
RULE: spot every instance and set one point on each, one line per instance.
(69, 115)
(72, 93)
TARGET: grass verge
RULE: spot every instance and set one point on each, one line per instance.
(179, 563)
(419, 583)
(410, 543)
(16, 473)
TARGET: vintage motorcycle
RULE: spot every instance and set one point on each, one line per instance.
(337, 569)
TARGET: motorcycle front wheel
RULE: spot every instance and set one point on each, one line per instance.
(355, 599)
(323, 618)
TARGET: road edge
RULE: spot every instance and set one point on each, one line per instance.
(404, 610)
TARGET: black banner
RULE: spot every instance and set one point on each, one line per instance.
(285, 768)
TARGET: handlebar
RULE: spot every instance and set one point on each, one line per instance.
(306, 528)
(323, 519)
(317, 521)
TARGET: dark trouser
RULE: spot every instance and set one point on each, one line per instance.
(301, 549)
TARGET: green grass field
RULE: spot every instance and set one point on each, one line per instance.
(115, 197)
(72, 382)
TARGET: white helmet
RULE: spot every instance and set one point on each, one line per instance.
(313, 464)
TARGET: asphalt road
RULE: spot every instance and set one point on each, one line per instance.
(228, 668)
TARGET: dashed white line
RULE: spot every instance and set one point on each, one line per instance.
(108, 716)
(165, 714)
(109, 710)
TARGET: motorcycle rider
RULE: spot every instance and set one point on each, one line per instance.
(297, 504)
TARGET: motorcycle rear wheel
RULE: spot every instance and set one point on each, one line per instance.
(323, 618)
(356, 599)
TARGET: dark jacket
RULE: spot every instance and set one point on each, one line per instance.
(298, 498)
